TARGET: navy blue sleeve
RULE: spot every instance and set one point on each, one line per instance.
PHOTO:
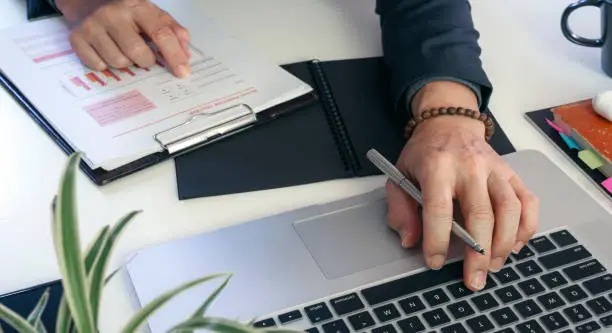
(424, 40)
(41, 8)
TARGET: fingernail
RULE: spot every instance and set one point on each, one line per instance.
(406, 238)
(436, 262)
(497, 264)
(479, 280)
(182, 71)
(518, 247)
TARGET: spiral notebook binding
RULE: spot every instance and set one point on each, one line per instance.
(334, 120)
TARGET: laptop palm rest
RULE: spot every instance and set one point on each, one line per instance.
(337, 244)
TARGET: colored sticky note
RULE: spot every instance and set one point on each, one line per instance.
(570, 142)
(555, 126)
(607, 184)
(591, 159)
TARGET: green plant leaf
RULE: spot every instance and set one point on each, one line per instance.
(94, 248)
(202, 310)
(15, 321)
(98, 271)
(63, 321)
(1, 331)
(213, 324)
(67, 243)
(34, 317)
(138, 319)
(40, 328)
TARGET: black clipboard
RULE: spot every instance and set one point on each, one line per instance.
(102, 177)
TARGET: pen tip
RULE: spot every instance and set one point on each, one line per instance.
(479, 249)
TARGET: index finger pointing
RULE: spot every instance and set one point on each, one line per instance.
(162, 32)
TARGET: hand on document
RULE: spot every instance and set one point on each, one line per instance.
(110, 34)
(450, 158)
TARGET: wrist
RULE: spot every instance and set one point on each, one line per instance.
(443, 94)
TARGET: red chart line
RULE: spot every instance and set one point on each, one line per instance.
(52, 56)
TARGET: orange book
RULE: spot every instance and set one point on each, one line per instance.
(588, 129)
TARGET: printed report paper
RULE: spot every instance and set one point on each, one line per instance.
(112, 116)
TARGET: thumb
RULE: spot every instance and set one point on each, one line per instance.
(402, 215)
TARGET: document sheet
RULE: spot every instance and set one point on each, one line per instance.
(113, 116)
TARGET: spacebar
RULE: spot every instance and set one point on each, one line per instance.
(413, 283)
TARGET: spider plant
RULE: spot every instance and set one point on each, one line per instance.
(84, 275)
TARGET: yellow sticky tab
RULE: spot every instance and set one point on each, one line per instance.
(591, 159)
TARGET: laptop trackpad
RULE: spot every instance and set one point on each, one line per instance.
(351, 240)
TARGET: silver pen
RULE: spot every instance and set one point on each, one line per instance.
(398, 178)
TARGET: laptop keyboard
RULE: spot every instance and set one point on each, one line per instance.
(553, 285)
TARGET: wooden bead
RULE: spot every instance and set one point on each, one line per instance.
(460, 111)
(451, 110)
(426, 114)
(435, 112)
(443, 111)
(474, 114)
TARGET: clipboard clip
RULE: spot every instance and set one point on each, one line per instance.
(205, 127)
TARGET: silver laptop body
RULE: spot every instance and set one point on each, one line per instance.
(288, 265)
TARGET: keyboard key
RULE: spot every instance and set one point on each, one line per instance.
(290, 316)
(455, 328)
(386, 312)
(484, 302)
(508, 294)
(407, 285)
(577, 313)
(584, 270)
(312, 330)
(506, 330)
(385, 329)
(599, 285)
(436, 297)
(529, 268)
(506, 275)
(318, 313)
(361, 320)
(504, 316)
(525, 253)
(531, 287)
(528, 308)
(553, 280)
(591, 326)
(480, 324)
(489, 284)
(531, 326)
(564, 257)
(551, 300)
(346, 304)
(436, 317)
(600, 305)
(563, 238)
(461, 309)
(573, 293)
(542, 244)
(269, 322)
(336, 326)
(554, 321)
(606, 321)
(411, 305)
(411, 325)
(459, 290)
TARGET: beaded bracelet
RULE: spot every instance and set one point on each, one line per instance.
(413, 123)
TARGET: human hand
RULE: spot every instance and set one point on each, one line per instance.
(110, 34)
(449, 158)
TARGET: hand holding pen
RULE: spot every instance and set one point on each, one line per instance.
(489, 240)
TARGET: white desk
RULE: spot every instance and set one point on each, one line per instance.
(529, 62)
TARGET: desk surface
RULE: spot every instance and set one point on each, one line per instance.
(528, 60)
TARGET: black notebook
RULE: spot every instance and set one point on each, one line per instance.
(538, 119)
(325, 140)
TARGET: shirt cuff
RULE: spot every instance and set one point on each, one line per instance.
(415, 87)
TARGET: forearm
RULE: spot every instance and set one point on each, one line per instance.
(432, 40)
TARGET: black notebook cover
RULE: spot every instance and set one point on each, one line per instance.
(324, 141)
(24, 301)
(538, 119)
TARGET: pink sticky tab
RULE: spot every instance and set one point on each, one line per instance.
(608, 184)
(555, 126)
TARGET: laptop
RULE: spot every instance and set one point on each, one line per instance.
(338, 268)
